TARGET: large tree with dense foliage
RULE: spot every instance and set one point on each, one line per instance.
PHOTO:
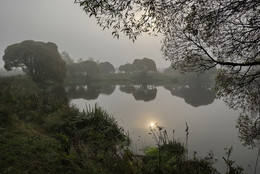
(106, 68)
(127, 68)
(89, 68)
(40, 60)
(73, 70)
(144, 65)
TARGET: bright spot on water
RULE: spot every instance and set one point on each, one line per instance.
(152, 125)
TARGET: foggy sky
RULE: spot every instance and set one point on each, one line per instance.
(67, 25)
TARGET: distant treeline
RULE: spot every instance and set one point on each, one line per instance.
(140, 71)
(44, 64)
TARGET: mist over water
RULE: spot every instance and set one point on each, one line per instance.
(211, 123)
(52, 50)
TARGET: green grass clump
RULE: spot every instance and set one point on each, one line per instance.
(41, 133)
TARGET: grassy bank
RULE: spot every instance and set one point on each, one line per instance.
(41, 133)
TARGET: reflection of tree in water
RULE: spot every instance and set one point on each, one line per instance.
(127, 89)
(143, 92)
(107, 89)
(85, 92)
(89, 92)
(194, 95)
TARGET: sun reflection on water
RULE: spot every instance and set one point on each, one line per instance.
(152, 125)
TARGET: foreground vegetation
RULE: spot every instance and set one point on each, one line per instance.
(41, 133)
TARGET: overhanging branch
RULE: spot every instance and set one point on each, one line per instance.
(222, 63)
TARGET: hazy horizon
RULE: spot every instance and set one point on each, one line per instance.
(67, 25)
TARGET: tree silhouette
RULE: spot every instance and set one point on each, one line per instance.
(144, 65)
(106, 68)
(40, 60)
(89, 69)
(127, 68)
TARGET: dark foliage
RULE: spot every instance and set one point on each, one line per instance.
(40, 60)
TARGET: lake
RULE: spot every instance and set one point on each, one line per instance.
(211, 123)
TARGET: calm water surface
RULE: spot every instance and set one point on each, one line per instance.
(211, 122)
